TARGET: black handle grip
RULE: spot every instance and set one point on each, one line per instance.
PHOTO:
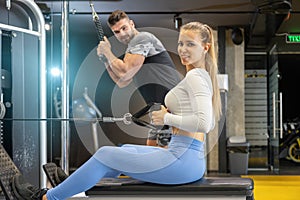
(146, 110)
(155, 107)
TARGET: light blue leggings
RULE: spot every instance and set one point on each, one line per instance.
(182, 162)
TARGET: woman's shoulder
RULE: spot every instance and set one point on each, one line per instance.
(197, 72)
(198, 75)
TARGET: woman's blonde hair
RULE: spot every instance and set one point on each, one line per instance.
(211, 65)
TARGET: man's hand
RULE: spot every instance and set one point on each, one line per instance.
(104, 47)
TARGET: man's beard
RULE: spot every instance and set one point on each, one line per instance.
(127, 38)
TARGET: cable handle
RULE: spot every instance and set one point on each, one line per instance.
(155, 107)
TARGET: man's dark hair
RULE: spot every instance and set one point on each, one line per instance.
(116, 16)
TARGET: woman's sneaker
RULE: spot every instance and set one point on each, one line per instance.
(24, 190)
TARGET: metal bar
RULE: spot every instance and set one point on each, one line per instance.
(43, 81)
(255, 53)
(164, 12)
(95, 135)
(274, 115)
(103, 119)
(280, 107)
(14, 28)
(65, 129)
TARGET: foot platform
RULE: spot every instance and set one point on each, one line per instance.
(54, 174)
(8, 170)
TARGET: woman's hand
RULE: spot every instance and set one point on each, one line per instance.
(157, 117)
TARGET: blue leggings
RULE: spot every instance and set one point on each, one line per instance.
(182, 162)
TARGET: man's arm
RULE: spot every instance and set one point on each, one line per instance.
(117, 79)
(120, 70)
(128, 67)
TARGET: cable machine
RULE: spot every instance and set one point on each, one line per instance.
(21, 60)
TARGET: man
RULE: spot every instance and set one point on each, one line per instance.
(146, 61)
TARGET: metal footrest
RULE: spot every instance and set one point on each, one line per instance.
(7, 170)
(50, 170)
(6, 177)
(6, 162)
(54, 173)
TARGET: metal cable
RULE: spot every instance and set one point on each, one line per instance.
(99, 29)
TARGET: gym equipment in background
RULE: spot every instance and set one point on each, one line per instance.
(290, 143)
(85, 111)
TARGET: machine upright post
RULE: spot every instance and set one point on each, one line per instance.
(65, 129)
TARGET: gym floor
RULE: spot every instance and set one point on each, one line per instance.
(281, 185)
(288, 167)
(276, 187)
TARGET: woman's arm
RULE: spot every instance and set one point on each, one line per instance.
(200, 96)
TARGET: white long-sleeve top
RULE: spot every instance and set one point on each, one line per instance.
(190, 103)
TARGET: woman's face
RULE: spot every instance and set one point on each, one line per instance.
(190, 48)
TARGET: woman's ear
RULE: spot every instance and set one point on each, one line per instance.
(206, 47)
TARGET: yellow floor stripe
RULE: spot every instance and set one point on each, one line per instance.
(276, 187)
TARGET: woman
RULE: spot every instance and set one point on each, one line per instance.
(193, 107)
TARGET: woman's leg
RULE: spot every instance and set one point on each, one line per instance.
(88, 174)
(81, 180)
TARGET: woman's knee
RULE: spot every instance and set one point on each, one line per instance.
(102, 150)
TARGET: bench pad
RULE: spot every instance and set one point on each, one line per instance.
(205, 186)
